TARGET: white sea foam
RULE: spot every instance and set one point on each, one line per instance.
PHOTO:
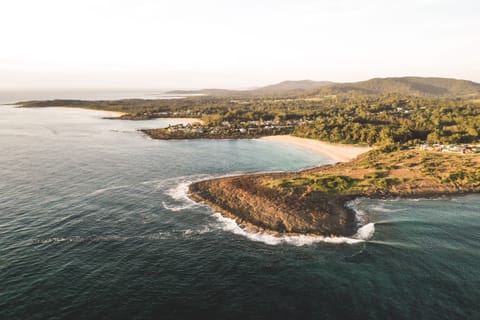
(365, 232)
(203, 230)
(409, 199)
(172, 182)
(177, 190)
(360, 215)
(176, 208)
(102, 190)
(179, 195)
(230, 225)
(382, 208)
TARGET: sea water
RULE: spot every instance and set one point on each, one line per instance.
(95, 223)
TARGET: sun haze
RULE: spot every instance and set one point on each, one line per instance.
(232, 44)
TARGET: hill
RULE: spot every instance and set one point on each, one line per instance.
(284, 88)
(293, 86)
(411, 86)
(415, 86)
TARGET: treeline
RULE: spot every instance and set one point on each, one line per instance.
(397, 120)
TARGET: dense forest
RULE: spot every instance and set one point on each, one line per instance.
(393, 118)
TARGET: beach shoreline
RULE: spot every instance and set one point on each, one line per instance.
(117, 115)
(183, 120)
(338, 152)
(107, 113)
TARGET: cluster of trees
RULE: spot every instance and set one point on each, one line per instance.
(394, 119)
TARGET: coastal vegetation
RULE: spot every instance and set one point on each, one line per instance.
(396, 173)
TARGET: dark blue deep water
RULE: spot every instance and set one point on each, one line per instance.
(95, 224)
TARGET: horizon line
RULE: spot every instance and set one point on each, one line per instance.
(253, 87)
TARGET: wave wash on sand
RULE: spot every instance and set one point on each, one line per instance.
(338, 152)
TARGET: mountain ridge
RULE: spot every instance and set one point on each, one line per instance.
(425, 86)
(416, 86)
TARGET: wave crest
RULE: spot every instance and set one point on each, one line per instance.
(176, 189)
(230, 225)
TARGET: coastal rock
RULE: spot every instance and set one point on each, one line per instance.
(255, 206)
(313, 201)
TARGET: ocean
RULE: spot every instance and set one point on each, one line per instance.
(95, 223)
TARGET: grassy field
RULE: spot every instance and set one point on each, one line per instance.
(402, 172)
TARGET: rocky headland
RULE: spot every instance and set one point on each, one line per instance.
(312, 202)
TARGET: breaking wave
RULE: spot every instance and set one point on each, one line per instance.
(179, 195)
(365, 232)
(360, 215)
(381, 208)
(227, 224)
(176, 189)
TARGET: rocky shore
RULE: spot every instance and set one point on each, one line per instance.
(165, 134)
(313, 202)
(261, 209)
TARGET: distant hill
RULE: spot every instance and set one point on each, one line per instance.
(283, 88)
(405, 85)
(417, 86)
(293, 86)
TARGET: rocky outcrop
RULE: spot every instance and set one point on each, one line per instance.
(259, 208)
(313, 201)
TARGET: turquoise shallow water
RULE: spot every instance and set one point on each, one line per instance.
(95, 223)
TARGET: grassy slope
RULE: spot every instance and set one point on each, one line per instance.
(402, 173)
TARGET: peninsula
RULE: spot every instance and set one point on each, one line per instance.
(425, 133)
(313, 201)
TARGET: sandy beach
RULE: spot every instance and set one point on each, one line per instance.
(105, 113)
(339, 152)
(114, 114)
(182, 120)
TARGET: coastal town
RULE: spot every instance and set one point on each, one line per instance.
(451, 148)
(227, 130)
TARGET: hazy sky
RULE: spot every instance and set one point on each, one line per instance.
(233, 44)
